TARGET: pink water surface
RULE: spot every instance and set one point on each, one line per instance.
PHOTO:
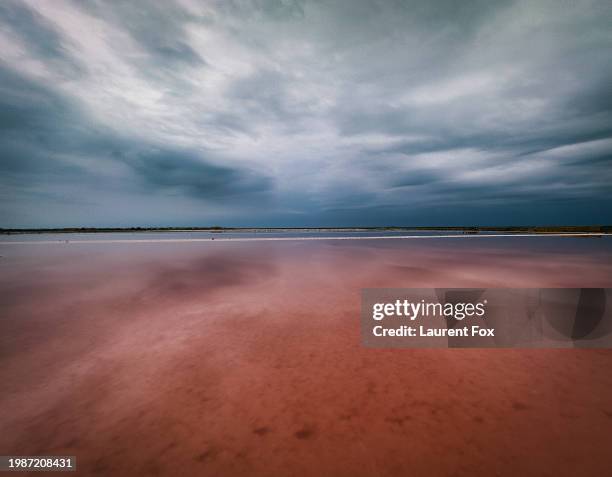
(245, 359)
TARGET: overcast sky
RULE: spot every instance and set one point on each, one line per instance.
(305, 113)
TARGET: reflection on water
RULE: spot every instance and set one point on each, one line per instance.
(245, 359)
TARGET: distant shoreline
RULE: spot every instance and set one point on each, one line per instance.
(603, 229)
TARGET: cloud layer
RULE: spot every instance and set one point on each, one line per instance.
(305, 113)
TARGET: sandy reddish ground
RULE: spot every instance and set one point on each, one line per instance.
(229, 359)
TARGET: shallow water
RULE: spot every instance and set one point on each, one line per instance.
(234, 358)
(173, 235)
(204, 235)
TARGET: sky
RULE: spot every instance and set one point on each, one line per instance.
(305, 113)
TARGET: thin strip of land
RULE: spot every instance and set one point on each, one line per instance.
(565, 229)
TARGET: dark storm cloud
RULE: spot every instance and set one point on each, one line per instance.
(332, 113)
(34, 123)
(189, 174)
(47, 140)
